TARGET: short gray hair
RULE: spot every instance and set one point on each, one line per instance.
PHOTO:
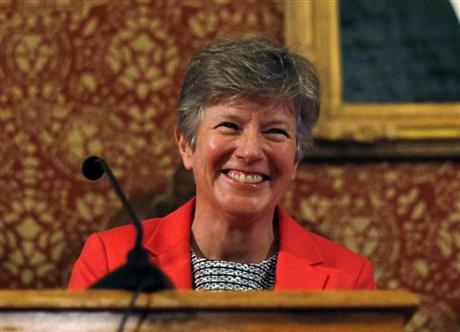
(251, 67)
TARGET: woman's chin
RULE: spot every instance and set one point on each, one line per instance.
(246, 207)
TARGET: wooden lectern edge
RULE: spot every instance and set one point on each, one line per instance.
(165, 300)
(98, 310)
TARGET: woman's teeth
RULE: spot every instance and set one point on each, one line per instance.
(245, 178)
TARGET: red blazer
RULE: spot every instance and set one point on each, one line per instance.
(305, 260)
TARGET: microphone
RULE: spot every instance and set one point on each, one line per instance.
(138, 274)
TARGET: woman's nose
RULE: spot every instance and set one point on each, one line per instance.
(249, 147)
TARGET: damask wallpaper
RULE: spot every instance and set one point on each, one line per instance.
(102, 77)
(405, 217)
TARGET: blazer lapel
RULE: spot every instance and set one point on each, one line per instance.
(176, 264)
(169, 245)
(294, 272)
(298, 258)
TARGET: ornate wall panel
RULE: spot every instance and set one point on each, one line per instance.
(102, 77)
(405, 217)
(93, 77)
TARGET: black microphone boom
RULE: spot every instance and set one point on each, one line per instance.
(138, 274)
(93, 168)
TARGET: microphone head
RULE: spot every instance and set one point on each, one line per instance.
(92, 168)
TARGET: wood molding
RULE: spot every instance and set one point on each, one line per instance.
(365, 123)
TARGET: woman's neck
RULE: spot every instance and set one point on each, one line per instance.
(244, 241)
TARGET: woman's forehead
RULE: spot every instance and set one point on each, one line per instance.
(273, 107)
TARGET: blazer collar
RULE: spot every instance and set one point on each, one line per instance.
(298, 257)
(169, 245)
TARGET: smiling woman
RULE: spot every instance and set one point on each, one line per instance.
(243, 161)
(245, 116)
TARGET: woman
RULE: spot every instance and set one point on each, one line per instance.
(245, 116)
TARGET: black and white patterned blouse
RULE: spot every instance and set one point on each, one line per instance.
(225, 275)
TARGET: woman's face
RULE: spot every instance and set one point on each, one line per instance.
(244, 158)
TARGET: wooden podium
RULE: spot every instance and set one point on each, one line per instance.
(60, 310)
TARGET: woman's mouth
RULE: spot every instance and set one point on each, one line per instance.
(249, 178)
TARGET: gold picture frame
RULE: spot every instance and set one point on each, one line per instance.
(312, 29)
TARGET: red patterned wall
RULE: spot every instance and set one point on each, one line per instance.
(404, 216)
(102, 77)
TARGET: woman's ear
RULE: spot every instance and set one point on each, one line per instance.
(185, 150)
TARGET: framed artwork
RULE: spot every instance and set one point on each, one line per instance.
(377, 113)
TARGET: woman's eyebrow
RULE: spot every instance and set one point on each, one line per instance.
(285, 123)
(276, 122)
(227, 116)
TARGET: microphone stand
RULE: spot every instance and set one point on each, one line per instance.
(138, 274)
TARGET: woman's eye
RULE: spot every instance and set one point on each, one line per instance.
(228, 125)
(277, 131)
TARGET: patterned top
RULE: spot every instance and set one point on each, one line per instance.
(225, 275)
